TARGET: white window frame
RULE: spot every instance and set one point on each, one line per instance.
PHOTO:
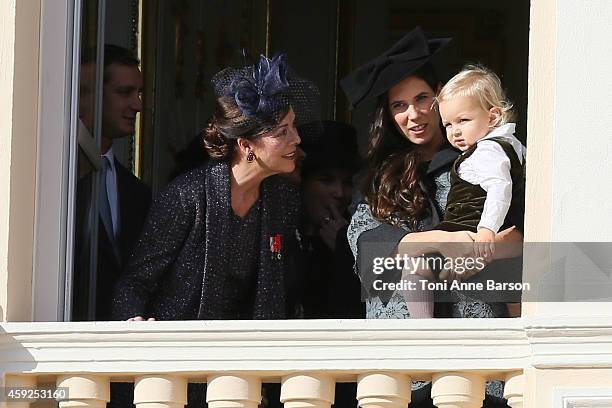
(60, 34)
(53, 156)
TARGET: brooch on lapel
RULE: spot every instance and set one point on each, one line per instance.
(276, 244)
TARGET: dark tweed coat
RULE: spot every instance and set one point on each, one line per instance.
(178, 265)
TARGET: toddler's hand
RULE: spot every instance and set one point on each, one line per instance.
(484, 244)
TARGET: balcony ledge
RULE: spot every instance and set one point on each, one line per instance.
(274, 348)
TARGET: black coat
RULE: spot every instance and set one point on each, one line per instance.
(179, 263)
(134, 201)
(330, 289)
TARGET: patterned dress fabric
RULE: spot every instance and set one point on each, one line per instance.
(395, 307)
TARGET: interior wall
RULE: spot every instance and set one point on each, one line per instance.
(118, 27)
(196, 38)
(118, 31)
(306, 32)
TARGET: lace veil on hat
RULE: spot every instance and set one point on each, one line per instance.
(264, 92)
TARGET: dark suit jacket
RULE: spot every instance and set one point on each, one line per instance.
(134, 201)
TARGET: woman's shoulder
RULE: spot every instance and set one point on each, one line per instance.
(442, 161)
(282, 186)
(362, 210)
(193, 174)
(189, 184)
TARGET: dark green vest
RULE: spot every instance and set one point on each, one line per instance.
(466, 201)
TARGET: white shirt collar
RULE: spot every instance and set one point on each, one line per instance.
(506, 130)
(111, 158)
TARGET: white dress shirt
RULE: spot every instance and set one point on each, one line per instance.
(489, 167)
(112, 190)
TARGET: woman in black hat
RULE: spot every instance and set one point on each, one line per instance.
(217, 242)
(330, 289)
(408, 168)
(407, 183)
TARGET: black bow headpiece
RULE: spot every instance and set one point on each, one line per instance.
(397, 63)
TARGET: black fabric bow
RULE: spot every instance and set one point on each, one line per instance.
(397, 63)
(258, 95)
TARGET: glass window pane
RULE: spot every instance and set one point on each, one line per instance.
(88, 166)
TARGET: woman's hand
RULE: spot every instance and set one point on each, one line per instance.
(140, 319)
(330, 225)
(459, 244)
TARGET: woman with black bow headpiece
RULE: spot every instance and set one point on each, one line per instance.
(217, 242)
(406, 185)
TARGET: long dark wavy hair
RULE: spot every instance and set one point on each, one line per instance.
(395, 187)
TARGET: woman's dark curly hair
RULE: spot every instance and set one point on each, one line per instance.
(228, 119)
(394, 186)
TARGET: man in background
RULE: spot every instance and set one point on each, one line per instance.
(123, 200)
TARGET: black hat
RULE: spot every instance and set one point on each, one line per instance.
(262, 90)
(336, 147)
(397, 63)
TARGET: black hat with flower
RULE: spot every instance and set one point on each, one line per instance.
(264, 92)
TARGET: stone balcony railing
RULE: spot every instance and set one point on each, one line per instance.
(307, 357)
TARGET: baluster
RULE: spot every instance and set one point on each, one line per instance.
(232, 391)
(307, 391)
(458, 390)
(91, 391)
(160, 391)
(514, 389)
(383, 390)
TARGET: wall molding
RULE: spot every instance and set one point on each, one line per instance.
(582, 398)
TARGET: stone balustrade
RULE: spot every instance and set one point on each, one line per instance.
(298, 390)
(307, 358)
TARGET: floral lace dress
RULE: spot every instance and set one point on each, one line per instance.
(396, 307)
